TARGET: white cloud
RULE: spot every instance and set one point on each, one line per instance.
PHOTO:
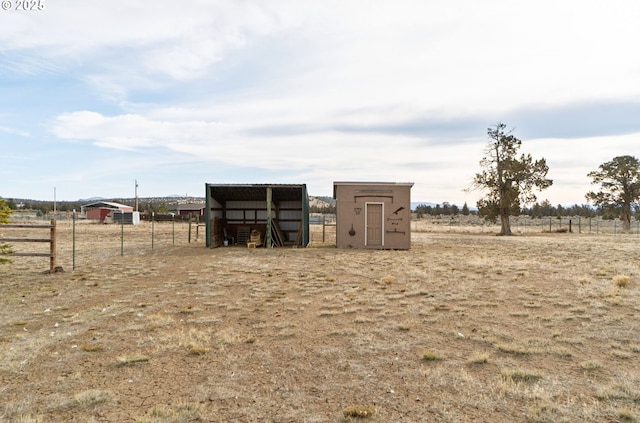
(334, 90)
(14, 131)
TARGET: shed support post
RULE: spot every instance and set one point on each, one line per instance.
(267, 235)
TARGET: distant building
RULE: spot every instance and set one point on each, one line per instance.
(374, 215)
(101, 210)
(193, 209)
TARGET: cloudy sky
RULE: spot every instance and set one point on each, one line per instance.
(174, 94)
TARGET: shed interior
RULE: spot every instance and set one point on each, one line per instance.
(275, 215)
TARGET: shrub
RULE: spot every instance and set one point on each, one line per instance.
(431, 356)
(621, 281)
(360, 411)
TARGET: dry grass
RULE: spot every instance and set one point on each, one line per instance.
(532, 328)
(431, 356)
(621, 281)
(360, 411)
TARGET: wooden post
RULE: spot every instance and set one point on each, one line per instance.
(52, 249)
(267, 235)
(190, 220)
(323, 227)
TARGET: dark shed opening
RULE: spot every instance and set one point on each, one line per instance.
(271, 215)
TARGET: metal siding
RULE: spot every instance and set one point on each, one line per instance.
(235, 215)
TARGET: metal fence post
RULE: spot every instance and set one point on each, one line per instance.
(121, 232)
(153, 215)
(73, 241)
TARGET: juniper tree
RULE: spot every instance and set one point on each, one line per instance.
(619, 181)
(507, 180)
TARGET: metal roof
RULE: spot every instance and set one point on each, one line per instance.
(255, 192)
(106, 204)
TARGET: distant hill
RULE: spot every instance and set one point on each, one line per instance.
(321, 202)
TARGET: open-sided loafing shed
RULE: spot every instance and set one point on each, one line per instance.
(375, 215)
(237, 213)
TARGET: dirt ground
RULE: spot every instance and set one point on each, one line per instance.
(464, 327)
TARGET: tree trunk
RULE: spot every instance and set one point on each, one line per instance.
(505, 224)
(626, 217)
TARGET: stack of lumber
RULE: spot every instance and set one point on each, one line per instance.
(277, 236)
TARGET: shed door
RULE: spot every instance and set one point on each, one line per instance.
(374, 225)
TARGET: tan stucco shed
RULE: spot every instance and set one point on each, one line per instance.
(375, 215)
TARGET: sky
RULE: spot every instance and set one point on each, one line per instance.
(95, 95)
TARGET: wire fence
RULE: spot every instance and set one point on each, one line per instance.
(79, 242)
(526, 224)
(82, 241)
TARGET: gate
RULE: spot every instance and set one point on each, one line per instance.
(51, 240)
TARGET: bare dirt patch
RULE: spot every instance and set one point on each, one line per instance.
(463, 327)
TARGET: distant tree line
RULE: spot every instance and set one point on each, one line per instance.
(445, 209)
(537, 210)
(328, 209)
(545, 209)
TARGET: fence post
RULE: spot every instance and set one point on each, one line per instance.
(121, 233)
(52, 248)
(153, 216)
(73, 241)
(173, 229)
(323, 227)
(190, 219)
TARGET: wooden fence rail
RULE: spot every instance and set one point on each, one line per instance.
(51, 240)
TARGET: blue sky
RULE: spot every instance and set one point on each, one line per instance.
(96, 95)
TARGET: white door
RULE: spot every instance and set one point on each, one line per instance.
(374, 224)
